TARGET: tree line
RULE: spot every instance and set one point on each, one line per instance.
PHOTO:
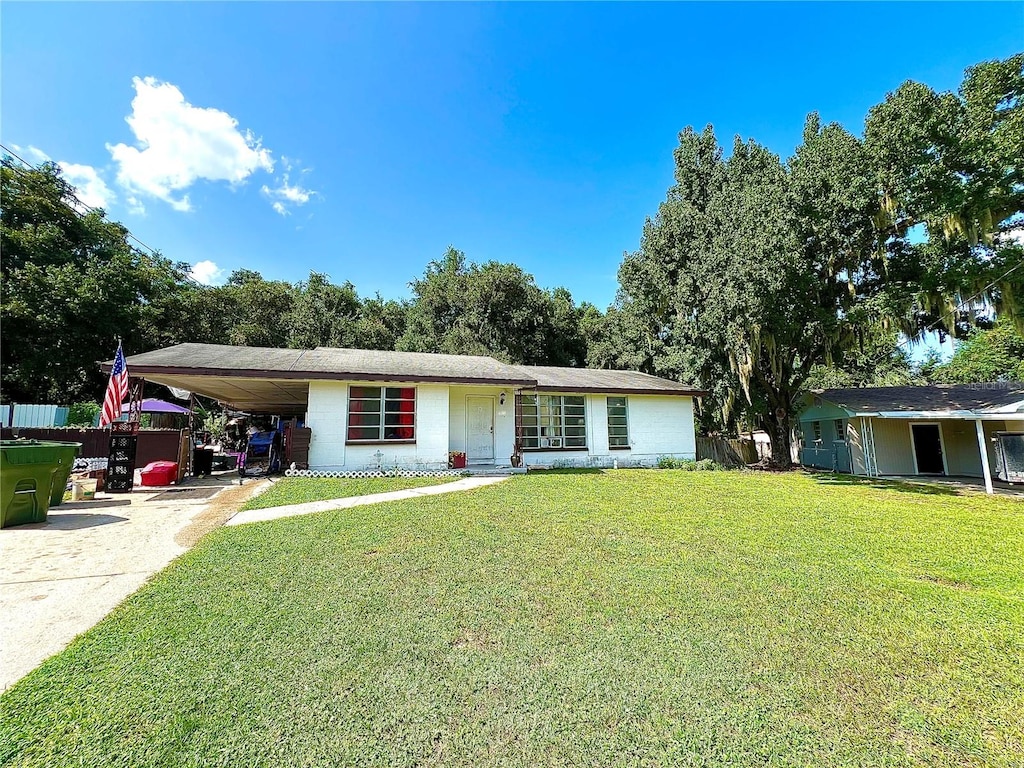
(757, 278)
(72, 285)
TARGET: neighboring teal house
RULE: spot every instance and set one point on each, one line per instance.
(965, 430)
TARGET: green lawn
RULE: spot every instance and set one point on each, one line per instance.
(634, 618)
(298, 490)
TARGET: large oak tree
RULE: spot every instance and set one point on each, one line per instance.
(754, 275)
(71, 286)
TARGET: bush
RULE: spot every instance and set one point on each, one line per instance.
(688, 465)
(708, 465)
(83, 414)
(671, 462)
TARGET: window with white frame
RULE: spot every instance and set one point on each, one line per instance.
(840, 429)
(816, 426)
(554, 421)
(381, 414)
(618, 423)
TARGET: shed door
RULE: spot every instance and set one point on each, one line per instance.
(480, 429)
(928, 449)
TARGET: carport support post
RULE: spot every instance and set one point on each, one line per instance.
(983, 447)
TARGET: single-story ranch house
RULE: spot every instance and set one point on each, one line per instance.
(966, 430)
(409, 409)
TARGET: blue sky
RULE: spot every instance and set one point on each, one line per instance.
(360, 140)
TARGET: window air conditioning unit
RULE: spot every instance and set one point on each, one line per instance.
(552, 442)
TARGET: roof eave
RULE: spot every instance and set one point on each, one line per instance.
(624, 391)
(254, 373)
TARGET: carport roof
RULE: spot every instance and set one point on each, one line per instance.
(993, 397)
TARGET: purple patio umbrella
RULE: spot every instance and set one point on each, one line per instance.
(152, 405)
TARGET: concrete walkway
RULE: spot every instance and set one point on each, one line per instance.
(962, 484)
(290, 510)
(59, 578)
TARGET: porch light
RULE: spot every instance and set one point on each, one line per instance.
(501, 399)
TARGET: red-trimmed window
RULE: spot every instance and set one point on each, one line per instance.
(377, 414)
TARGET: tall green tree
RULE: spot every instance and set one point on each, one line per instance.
(992, 354)
(460, 307)
(668, 318)
(381, 323)
(754, 272)
(71, 286)
(247, 310)
(323, 314)
(950, 172)
(881, 361)
(757, 278)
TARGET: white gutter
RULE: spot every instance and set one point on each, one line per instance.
(962, 415)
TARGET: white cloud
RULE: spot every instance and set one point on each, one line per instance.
(89, 187)
(31, 154)
(178, 144)
(285, 194)
(37, 155)
(206, 272)
(135, 205)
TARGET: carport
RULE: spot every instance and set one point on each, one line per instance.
(251, 379)
(944, 430)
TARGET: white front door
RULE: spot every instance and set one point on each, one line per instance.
(479, 429)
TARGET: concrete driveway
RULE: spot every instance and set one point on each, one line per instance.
(59, 578)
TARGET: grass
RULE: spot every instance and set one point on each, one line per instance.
(298, 490)
(633, 618)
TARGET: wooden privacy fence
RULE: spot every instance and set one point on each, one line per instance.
(728, 453)
(153, 444)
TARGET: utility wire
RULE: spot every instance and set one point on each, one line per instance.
(966, 302)
(934, 324)
(88, 208)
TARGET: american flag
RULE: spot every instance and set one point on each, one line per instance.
(116, 389)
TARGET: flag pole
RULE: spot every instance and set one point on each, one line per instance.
(123, 434)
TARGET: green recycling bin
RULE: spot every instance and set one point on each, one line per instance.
(66, 453)
(29, 470)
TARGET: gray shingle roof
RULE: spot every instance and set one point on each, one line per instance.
(325, 362)
(938, 397)
(364, 364)
(552, 378)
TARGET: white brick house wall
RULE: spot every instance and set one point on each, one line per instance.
(327, 417)
(659, 425)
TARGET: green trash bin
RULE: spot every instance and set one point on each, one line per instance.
(28, 469)
(66, 453)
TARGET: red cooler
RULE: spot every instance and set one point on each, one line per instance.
(160, 473)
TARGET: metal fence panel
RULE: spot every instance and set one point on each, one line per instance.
(32, 415)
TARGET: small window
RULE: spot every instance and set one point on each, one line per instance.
(840, 429)
(816, 426)
(618, 423)
(378, 414)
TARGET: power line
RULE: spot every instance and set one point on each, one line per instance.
(87, 207)
(966, 302)
(934, 324)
